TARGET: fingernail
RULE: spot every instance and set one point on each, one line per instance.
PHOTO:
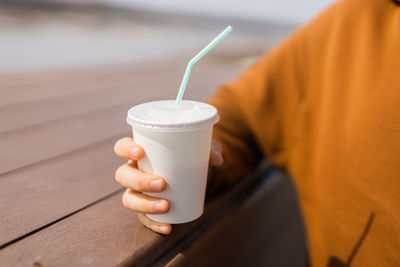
(156, 185)
(134, 152)
(163, 228)
(159, 206)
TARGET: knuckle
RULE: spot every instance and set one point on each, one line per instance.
(124, 202)
(127, 139)
(117, 145)
(150, 208)
(140, 182)
(148, 225)
(118, 174)
(153, 226)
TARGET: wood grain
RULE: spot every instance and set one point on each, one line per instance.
(37, 195)
(24, 87)
(106, 234)
(101, 95)
(102, 235)
(37, 143)
(28, 86)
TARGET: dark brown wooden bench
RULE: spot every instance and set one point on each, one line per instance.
(60, 205)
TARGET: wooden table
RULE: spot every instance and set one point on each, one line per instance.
(60, 205)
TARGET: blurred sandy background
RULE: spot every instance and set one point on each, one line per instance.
(63, 34)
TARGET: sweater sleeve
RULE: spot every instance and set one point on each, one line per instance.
(256, 112)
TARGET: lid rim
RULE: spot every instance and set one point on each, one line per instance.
(177, 126)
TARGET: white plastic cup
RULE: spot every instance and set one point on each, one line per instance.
(177, 145)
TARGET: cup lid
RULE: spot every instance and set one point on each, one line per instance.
(163, 115)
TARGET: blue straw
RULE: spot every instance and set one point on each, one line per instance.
(196, 58)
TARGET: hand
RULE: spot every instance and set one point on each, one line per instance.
(137, 182)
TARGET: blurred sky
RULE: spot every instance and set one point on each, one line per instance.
(284, 11)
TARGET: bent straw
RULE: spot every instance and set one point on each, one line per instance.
(196, 58)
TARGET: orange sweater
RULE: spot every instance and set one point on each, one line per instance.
(324, 105)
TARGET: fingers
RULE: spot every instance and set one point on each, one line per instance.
(145, 204)
(130, 177)
(162, 228)
(216, 158)
(126, 148)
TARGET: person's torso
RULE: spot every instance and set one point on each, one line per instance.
(346, 151)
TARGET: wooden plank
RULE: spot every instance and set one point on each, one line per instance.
(40, 194)
(66, 83)
(137, 90)
(106, 234)
(23, 87)
(31, 90)
(102, 235)
(29, 113)
(34, 112)
(107, 73)
(40, 142)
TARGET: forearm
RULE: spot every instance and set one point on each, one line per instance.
(257, 112)
(240, 149)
